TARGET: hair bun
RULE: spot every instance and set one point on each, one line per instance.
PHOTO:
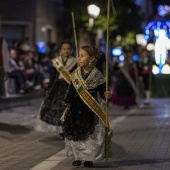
(96, 52)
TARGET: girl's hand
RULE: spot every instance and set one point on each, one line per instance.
(107, 95)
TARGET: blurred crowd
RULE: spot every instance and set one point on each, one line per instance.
(29, 69)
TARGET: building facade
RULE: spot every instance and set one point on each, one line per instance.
(34, 19)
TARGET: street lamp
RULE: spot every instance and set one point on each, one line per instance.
(94, 12)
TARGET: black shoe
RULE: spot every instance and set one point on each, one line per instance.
(76, 163)
(88, 164)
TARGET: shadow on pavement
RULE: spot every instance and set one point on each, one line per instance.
(14, 129)
(52, 140)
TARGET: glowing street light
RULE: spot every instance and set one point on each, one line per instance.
(94, 12)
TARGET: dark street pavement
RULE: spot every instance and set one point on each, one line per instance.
(141, 140)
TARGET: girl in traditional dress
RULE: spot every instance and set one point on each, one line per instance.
(53, 104)
(84, 120)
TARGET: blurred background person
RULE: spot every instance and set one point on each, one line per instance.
(53, 50)
(145, 65)
(124, 87)
(17, 71)
(31, 70)
(45, 68)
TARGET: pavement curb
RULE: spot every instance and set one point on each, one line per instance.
(18, 100)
